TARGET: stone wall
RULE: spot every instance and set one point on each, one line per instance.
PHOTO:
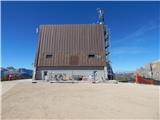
(150, 70)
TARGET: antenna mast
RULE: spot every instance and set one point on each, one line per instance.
(108, 68)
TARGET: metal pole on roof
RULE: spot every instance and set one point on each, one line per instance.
(100, 15)
(109, 71)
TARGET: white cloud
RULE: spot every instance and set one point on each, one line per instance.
(135, 37)
(143, 29)
(130, 50)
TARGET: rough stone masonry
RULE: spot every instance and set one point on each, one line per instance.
(150, 70)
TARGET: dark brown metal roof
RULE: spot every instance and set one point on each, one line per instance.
(70, 45)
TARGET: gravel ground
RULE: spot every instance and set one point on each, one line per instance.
(27, 100)
(7, 85)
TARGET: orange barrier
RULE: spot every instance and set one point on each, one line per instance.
(140, 79)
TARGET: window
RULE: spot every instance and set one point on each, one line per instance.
(45, 73)
(91, 55)
(48, 56)
(73, 60)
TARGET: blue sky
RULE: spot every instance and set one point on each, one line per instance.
(134, 29)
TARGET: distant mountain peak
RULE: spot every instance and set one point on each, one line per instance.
(20, 73)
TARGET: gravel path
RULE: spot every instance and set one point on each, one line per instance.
(7, 85)
(28, 100)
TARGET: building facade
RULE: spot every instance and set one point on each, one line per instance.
(70, 50)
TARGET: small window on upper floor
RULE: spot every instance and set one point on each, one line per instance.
(91, 55)
(48, 56)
